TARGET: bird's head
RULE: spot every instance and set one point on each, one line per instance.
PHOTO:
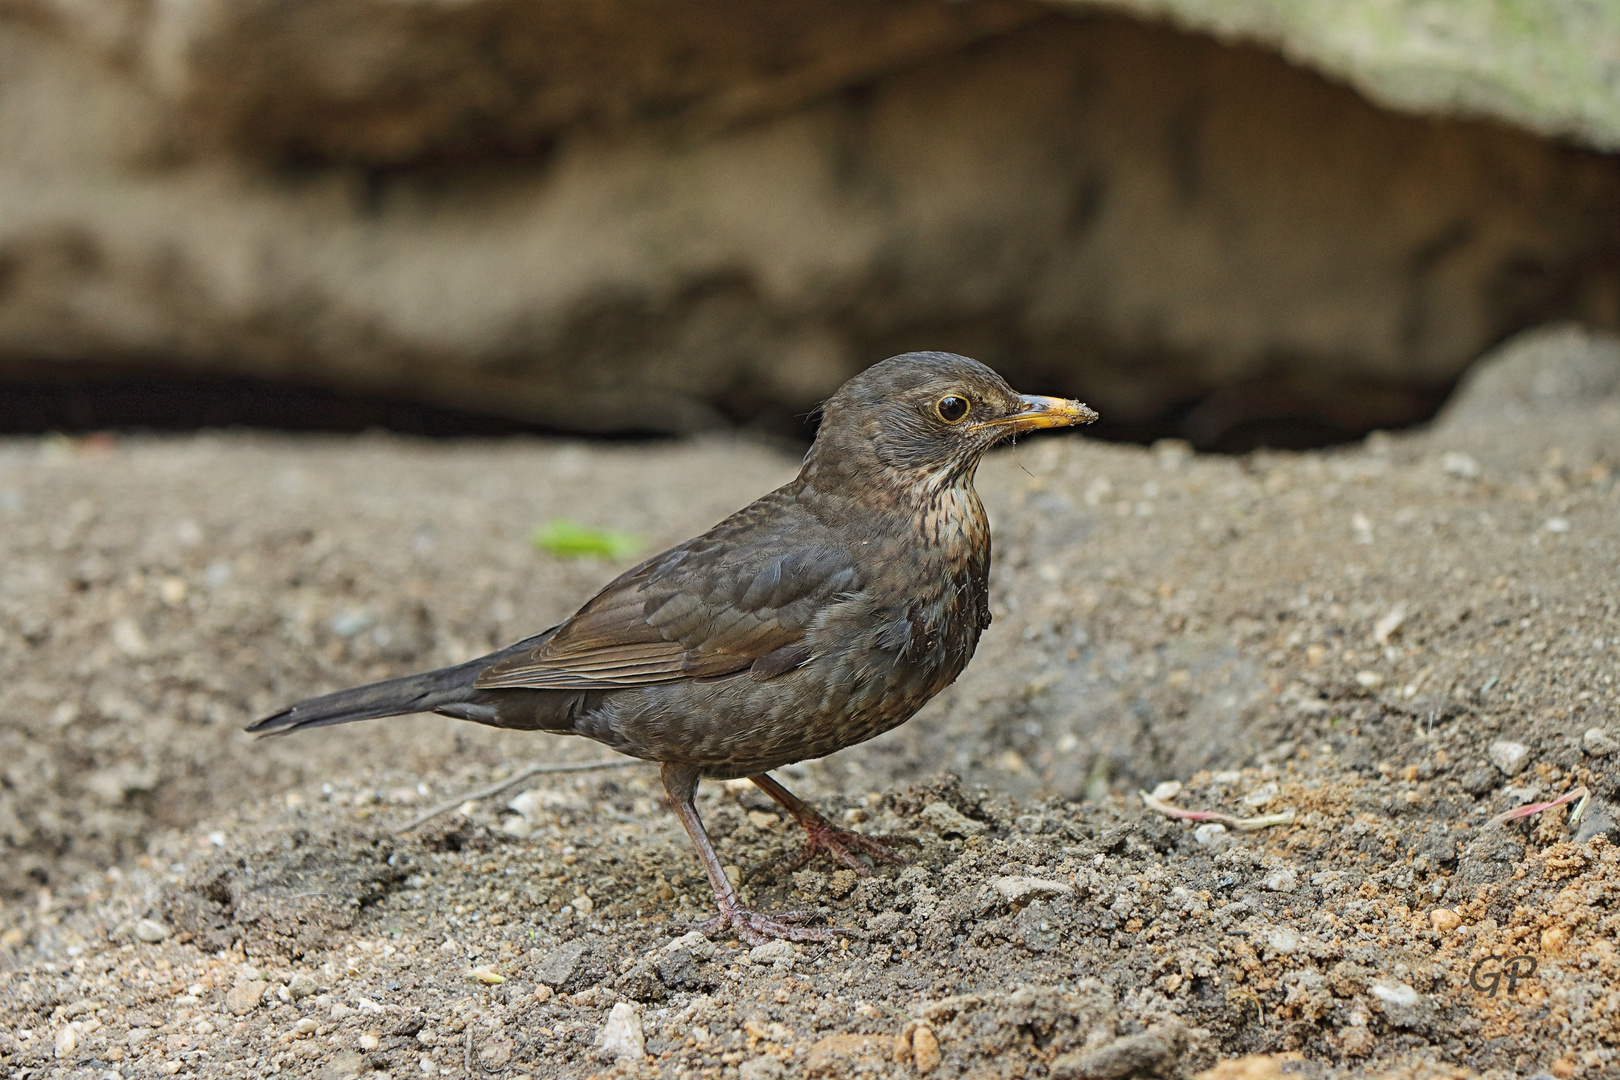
(928, 416)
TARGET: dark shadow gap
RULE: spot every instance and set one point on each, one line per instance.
(83, 399)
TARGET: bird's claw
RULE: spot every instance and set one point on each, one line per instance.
(754, 928)
(841, 844)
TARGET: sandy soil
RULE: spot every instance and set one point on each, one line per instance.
(1395, 641)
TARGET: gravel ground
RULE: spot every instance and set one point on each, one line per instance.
(1394, 642)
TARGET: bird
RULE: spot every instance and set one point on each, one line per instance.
(819, 616)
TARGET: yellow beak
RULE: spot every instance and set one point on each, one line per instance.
(1043, 412)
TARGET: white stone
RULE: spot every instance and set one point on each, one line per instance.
(1403, 1006)
(1386, 627)
(1282, 939)
(1211, 834)
(1261, 795)
(150, 931)
(1509, 757)
(1282, 880)
(622, 1038)
(1460, 464)
(694, 943)
(773, 952)
(1021, 890)
(1167, 790)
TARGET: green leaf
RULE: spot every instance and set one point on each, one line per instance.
(571, 540)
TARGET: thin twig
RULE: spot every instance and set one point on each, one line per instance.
(516, 778)
(1535, 808)
(1245, 824)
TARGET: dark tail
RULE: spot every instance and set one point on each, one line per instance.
(393, 697)
(430, 691)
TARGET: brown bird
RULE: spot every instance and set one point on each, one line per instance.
(825, 613)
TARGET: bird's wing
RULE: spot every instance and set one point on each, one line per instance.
(738, 597)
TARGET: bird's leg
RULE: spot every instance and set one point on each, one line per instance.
(822, 835)
(681, 781)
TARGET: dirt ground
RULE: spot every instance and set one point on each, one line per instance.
(1395, 641)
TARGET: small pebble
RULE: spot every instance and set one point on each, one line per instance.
(1386, 627)
(557, 966)
(694, 943)
(1021, 890)
(1261, 795)
(1444, 920)
(1282, 939)
(773, 952)
(1460, 465)
(1282, 880)
(368, 1041)
(1519, 796)
(1167, 790)
(150, 931)
(622, 1038)
(1403, 1006)
(1479, 781)
(244, 997)
(1211, 834)
(306, 1026)
(1508, 757)
(924, 1050)
(1598, 743)
(67, 1041)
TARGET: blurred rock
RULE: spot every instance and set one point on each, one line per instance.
(1599, 743)
(748, 203)
(622, 1038)
(1509, 757)
(1546, 67)
(1539, 373)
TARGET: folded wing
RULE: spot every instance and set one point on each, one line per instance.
(705, 609)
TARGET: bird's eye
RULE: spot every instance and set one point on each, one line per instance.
(951, 408)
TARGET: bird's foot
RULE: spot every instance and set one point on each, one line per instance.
(823, 837)
(754, 928)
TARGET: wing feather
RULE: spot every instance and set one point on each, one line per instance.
(709, 608)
